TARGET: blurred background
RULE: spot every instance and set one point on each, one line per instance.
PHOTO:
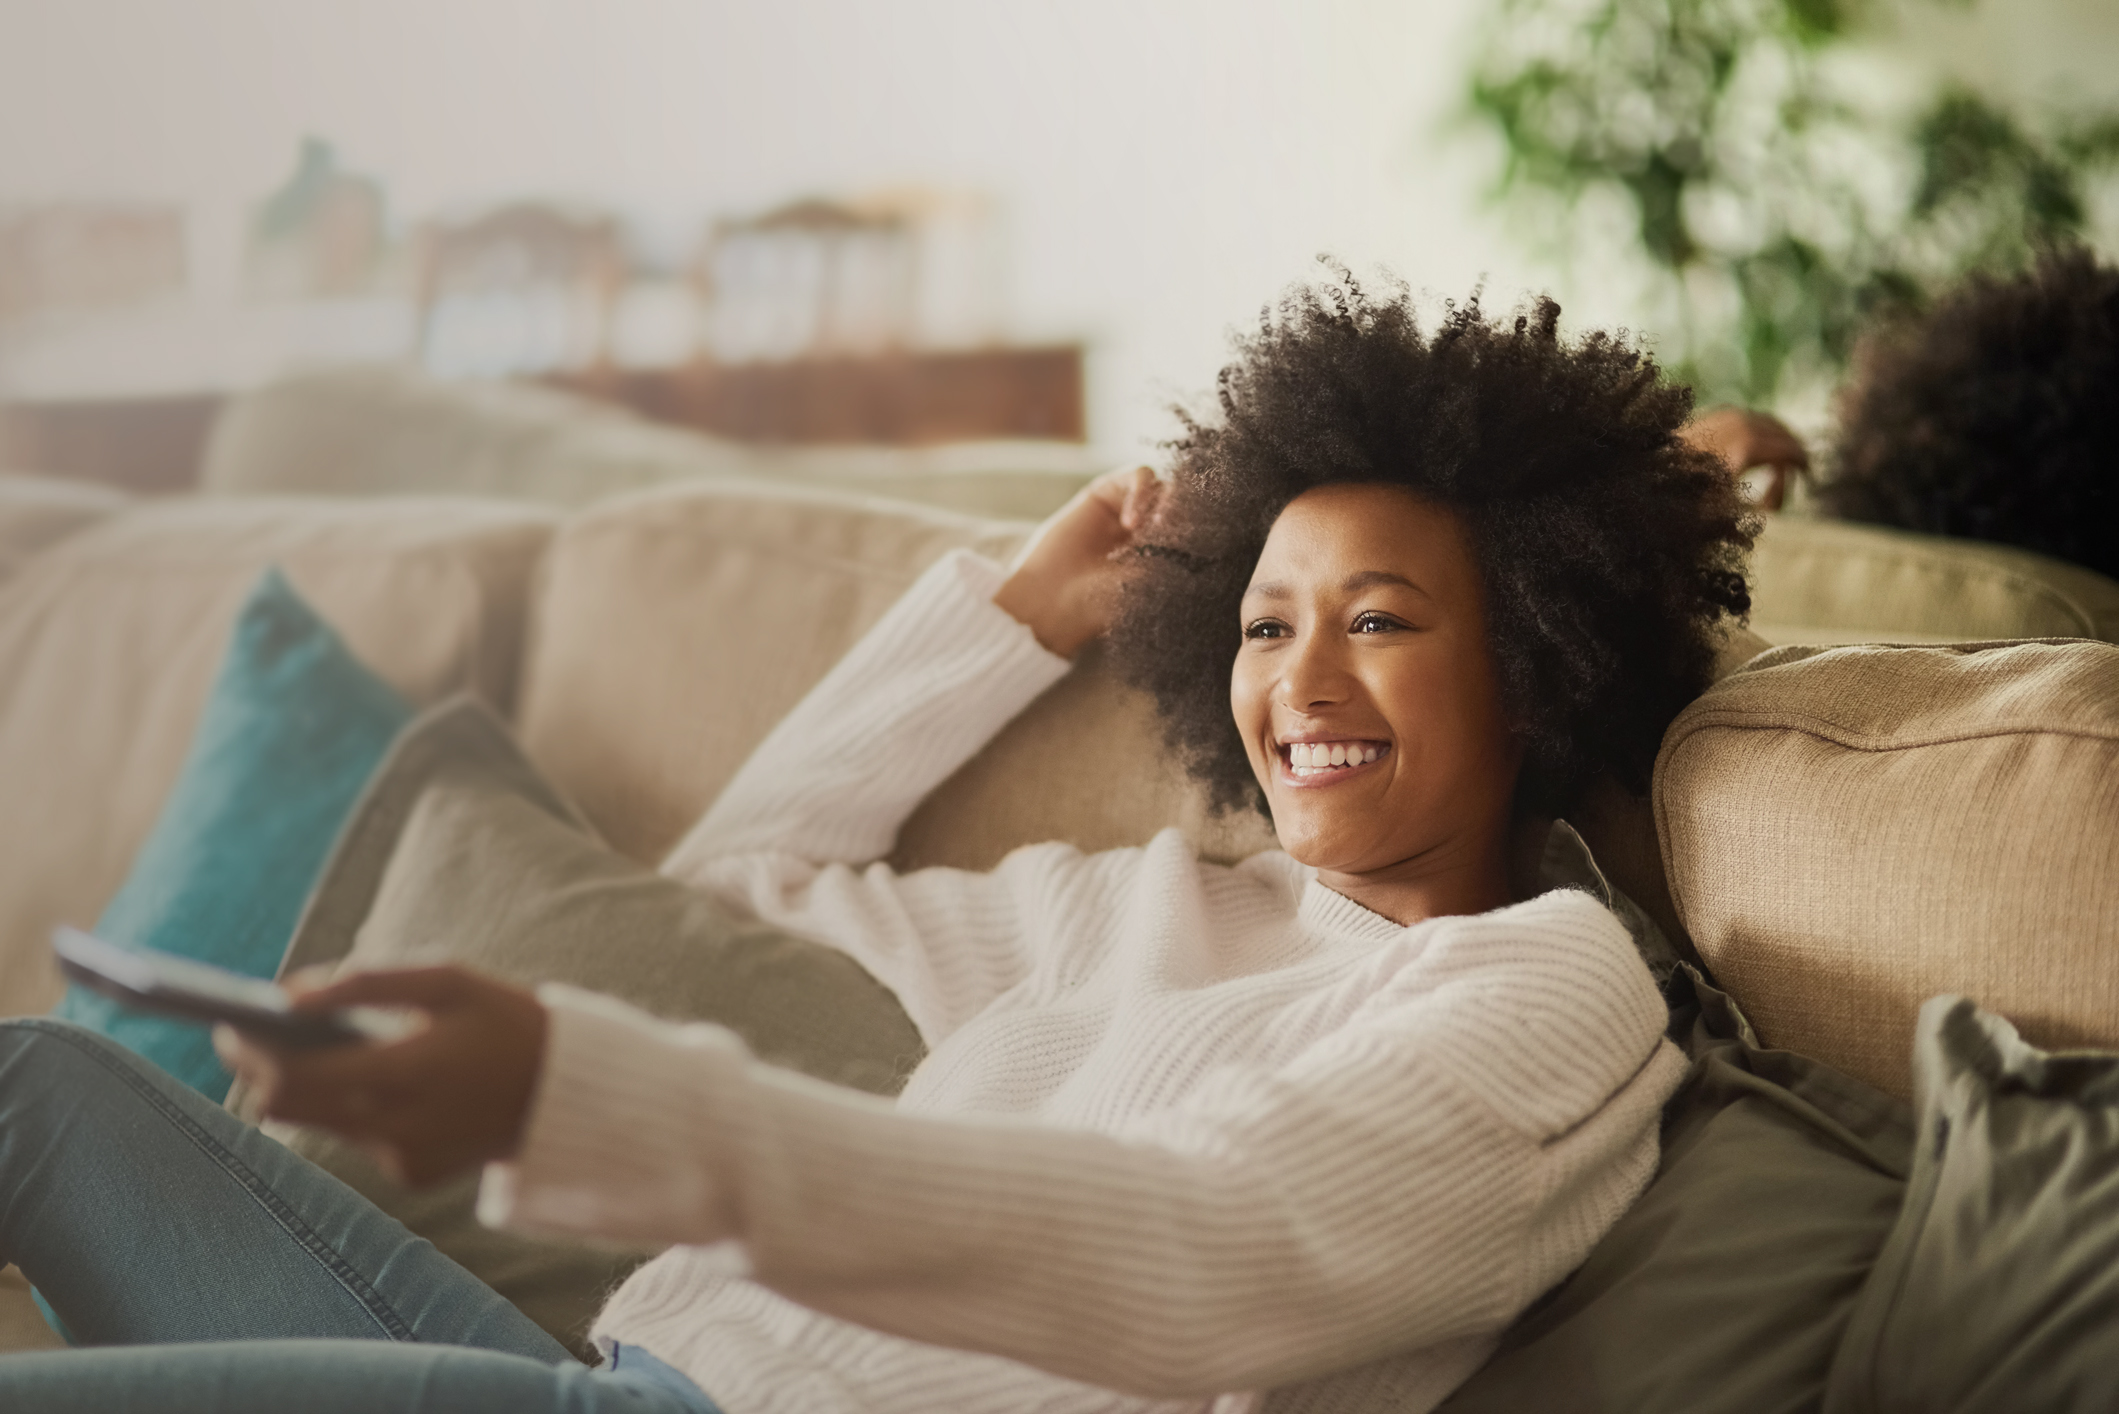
(937, 221)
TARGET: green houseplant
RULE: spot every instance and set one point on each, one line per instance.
(1770, 208)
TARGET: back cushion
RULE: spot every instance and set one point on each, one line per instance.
(1850, 831)
(676, 627)
(1830, 581)
(110, 639)
(36, 512)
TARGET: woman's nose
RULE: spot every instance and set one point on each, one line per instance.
(1312, 676)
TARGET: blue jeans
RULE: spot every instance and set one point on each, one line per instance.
(202, 1266)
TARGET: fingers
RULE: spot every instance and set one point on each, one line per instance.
(427, 988)
(1143, 493)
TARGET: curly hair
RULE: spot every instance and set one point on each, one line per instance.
(1610, 551)
(1995, 416)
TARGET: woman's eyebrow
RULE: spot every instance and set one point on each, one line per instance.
(1358, 580)
(1369, 579)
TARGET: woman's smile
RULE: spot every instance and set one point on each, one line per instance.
(1310, 762)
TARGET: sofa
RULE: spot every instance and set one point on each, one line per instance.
(1835, 833)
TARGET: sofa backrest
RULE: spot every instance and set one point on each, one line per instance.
(110, 639)
(392, 430)
(1829, 581)
(1850, 831)
(36, 512)
(674, 628)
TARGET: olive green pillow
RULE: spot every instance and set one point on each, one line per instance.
(1999, 1290)
(1727, 1286)
(460, 852)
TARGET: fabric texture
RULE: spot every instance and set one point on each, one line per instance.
(293, 727)
(459, 852)
(110, 639)
(1821, 581)
(1999, 1288)
(1185, 1131)
(1952, 817)
(649, 603)
(1729, 1285)
(38, 511)
(211, 1270)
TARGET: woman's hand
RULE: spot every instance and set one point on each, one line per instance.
(451, 1095)
(1746, 439)
(1065, 583)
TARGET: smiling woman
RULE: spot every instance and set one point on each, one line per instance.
(1303, 1133)
(1539, 489)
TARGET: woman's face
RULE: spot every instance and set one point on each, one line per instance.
(1365, 690)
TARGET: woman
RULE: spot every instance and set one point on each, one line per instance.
(1321, 1123)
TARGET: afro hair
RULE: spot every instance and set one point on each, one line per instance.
(1995, 416)
(1612, 554)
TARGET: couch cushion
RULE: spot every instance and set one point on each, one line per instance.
(36, 511)
(1850, 831)
(676, 627)
(1999, 1287)
(459, 852)
(1830, 581)
(109, 641)
(375, 431)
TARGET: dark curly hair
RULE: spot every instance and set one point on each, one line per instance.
(1994, 416)
(1610, 550)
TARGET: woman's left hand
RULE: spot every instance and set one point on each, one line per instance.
(451, 1095)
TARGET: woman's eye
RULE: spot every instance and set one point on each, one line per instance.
(1375, 623)
(1266, 628)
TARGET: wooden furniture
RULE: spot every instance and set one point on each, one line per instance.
(903, 398)
(150, 445)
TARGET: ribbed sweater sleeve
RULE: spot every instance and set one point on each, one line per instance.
(1277, 1224)
(825, 792)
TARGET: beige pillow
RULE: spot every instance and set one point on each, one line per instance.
(1848, 832)
(675, 628)
(1829, 581)
(459, 852)
(36, 511)
(110, 639)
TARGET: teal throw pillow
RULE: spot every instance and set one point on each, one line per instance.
(291, 732)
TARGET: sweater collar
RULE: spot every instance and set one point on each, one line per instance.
(1331, 912)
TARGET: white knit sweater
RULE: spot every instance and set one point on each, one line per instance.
(1185, 1131)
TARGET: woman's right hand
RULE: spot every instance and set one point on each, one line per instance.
(1065, 582)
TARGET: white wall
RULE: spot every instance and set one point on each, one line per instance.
(1162, 167)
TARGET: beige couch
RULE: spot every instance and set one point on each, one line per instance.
(1840, 834)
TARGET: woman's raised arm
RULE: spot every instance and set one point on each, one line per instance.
(941, 672)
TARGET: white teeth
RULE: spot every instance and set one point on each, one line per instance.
(1310, 758)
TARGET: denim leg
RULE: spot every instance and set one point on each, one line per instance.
(323, 1377)
(144, 1213)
